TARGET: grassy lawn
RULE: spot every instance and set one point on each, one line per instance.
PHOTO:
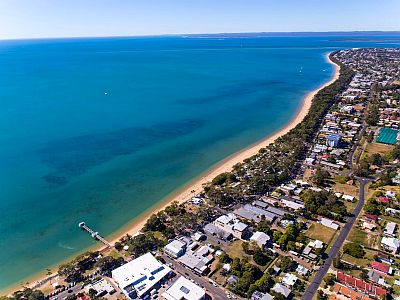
(235, 249)
(361, 237)
(390, 219)
(320, 232)
(362, 262)
(114, 254)
(307, 174)
(328, 247)
(350, 206)
(344, 188)
(395, 188)
(373, 148)
(358, 236)
(159, 235)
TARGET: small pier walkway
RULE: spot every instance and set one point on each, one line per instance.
(94, 234)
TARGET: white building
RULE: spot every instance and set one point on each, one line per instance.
(176, 248)
(289, 279)
(102, 287)
(316, 244)
(260, 238)
(257, 295)
(139, 276)
(348, 198)
(391, 244)
(390, 228)
(303, 271)
(281, 289)
(328, 223)
(231, 224)
(183, 289)
(292, 205)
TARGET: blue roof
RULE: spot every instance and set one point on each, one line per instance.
(335, 137)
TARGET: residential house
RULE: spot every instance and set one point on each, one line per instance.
(390, 244)
(281, 289)
(328, 223)
(289, 279)
(390, 229)
(260, 238)
(261, 296)
(381, 268)
(360, 285)
(176, 248)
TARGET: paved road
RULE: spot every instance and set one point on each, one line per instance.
(316, 281)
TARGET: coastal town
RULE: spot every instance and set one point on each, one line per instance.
(314, 215)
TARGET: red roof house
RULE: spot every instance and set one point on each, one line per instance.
(382, 199)
(360, 285)
(383, 268)
(371, 217)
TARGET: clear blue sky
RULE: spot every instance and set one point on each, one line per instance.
(61, 18)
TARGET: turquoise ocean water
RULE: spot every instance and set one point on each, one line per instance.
(102, 129)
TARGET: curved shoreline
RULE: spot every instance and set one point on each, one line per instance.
(185, 193)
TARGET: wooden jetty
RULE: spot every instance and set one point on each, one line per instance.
(94, 234)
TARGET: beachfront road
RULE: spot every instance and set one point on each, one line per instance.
(216, 292)
(316, 281)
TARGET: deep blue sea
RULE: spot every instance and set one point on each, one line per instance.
(102, 129)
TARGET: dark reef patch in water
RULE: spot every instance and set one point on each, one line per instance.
(238, 90)
(74, 156)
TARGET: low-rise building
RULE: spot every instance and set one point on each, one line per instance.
(289, 279)
(333, 140)
(292, 205)
(391, 244)
(328, 223)
(261, 296)
(341, 292)
(254, 213)
(301, 270)
(138, 277)
(392, 212)
(198, 259)
(382, 268)
(231, 224)
(184, 289)
(102, 287)
(390, 228)
(176, 248)
(260, 238)
(281, 289)
(360, 285)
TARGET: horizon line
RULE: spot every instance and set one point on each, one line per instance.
(236, 34)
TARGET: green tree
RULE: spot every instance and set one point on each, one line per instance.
(264, 226)
(260, 258)
(321, 177)
(108, 263)
(337, 263)
(155, 223)
(330, 279)
(27, 294)
(287, 264)
(353, 249)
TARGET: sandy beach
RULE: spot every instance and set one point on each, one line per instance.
(195, 186)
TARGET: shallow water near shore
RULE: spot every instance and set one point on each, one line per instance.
(99, 130)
